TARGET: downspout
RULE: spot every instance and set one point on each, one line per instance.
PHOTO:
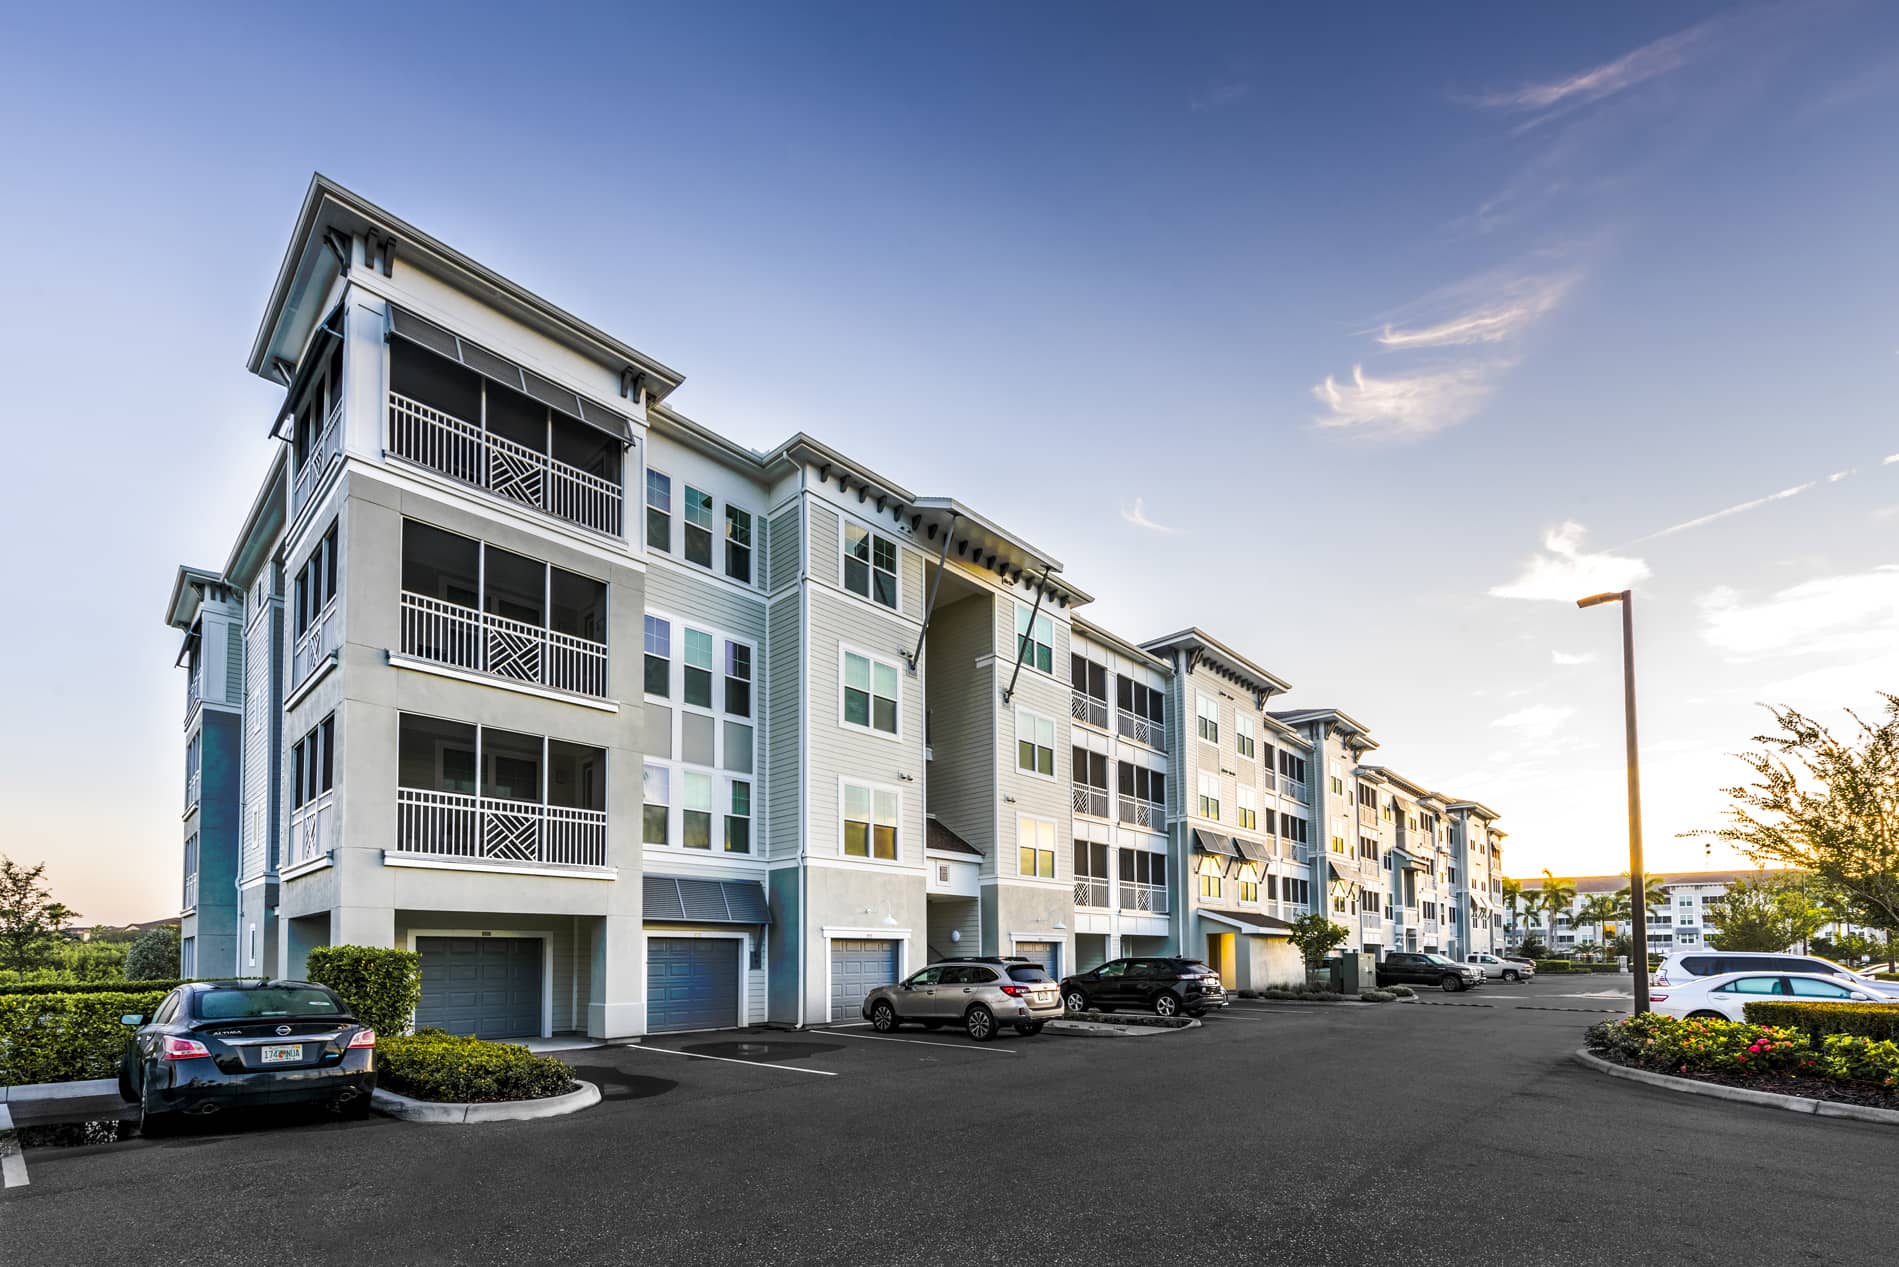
(803, 931)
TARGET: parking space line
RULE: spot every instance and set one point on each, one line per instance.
(924, 1042)
(12, 1160)
(730, 1060)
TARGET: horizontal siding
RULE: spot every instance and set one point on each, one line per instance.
(1046, 695)
(962, 720)
(782, 742)
(785, 548)
(722, 606)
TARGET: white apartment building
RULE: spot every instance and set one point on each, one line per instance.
(1682, 920)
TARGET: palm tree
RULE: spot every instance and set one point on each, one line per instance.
(1512, 898)
(1556, 898)
(1653, 895)
(1596, 910)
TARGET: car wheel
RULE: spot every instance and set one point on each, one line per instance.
(980, 1022)
(1166, 1004)
(883, 1017)
(152, 1125)
(1512, 976)
(1031, 1028)
(1075, 1001)
(126, 1092)
(1451, 984)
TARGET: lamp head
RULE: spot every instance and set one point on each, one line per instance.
(1614, 596)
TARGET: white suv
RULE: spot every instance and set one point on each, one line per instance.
(1508, 969)
(1686, 965)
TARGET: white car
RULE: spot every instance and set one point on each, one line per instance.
(1494, 967)
(1686, 965)
(1727, 995)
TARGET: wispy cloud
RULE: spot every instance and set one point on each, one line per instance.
(1739, 508)
(1137, 515)
(1564, 572)
(1598, 82)
(1222, 93)
(1854, 613)
(1539, 721)
(1415, 404)
(1521, 303)
(1571, 657)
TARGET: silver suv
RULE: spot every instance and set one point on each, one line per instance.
(981, 995)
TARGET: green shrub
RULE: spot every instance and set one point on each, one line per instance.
(1877, 1021)
(154, 954)
(1670, 1044)
(1850, 1058)
(432, 1065)
(1553, 965)
(88, 987)
(1886, 976)
(63, 1037)
(1376, 996)
(380, 984)
(1402, 992)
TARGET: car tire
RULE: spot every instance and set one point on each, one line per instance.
(126, 1092)
(1451, 984)
(153, 1125)
(979, 1023)
(1031, 1028)
(1513, 976)
(1075, 1001)
(1165, 1004)
(883, 1017)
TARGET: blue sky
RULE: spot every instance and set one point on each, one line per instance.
(1360, 337)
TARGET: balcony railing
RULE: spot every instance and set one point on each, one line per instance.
(1091, 892)
(191, 892)
(1143, 731)
(194, 694)
(461, 450)
(328, 447)
(1086, 708)
(1430, 927)
(1296, 790)
(1371, 921)
(315, 644)
(1143, 814)
(1147, 899)
(312, 830)
(482, 642)
(1089, 800)
(487, 829)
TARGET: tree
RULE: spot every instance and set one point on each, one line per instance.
(1316, 936)
(1827, 806)
(1654, 897)
(1532, 947)
(30, 920)
(1751, 915)
(154, 956)
(1596, 910)
(1556, 897)
(1512, 898)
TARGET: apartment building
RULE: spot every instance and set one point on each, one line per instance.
(626, 728)
(1682, 920)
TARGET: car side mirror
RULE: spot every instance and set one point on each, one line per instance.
(132, 1018)
(1857, 995)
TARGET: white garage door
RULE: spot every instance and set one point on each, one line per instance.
(857, 968)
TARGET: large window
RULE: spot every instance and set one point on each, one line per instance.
(659, 511)
(698, 527)
(1206, 718)
(1245, 739)
(870, 565)
(1035, 639)
(1034, 743)
(698, 747)
(313, 763)
(696, 816)
(315, 587)
(871, 693)
(1248, 807)
(870, 821)
(1035, 848)
(1294, 829)
(1292, 766)
(738, 544)
(1091, 860)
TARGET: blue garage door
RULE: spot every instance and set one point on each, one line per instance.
(691, 983)
(857, 968)
(1046, 953)
(486, 986)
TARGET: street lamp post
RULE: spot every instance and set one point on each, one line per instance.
(1638, 889)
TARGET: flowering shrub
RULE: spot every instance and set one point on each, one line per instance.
(1850, 1058)
(1667, 1044)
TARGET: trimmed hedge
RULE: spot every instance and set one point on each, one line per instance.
(1553, 965)
(381, 985)
(64, 1037)
(1876, 1021)
(452, 1069)
(88, 987)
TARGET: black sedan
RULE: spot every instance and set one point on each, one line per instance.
(212, 1045)
(1166, 987)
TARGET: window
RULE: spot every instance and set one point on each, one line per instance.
(659, 511)
(1140, 784)
(738, 544)
(1140, 866)
(1367, 796)
(1090, 679)
(698, 676)
(1291, 766)
(1139, 703)
(697, 818)
(1035, 848)
(313, 763)
(1035, 639)
(1248, 807)
(1291, 890)
(1368, 848)
(1091, 860)
(1293, 829)
(1210, 796)
(1206, 718)
(870, 822)
(656, 808)
(1210, 885)
(738, 818)
(870, 566)
(315, 589)
(659, 657)
(1034, 743)
(1338, 844)
(738, 679)
(870, 693)
(1090, 772)
(698, 527)
(1338, 786)
(1249, 890)
(1245, 740)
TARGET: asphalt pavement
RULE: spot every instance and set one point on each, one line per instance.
(1452, 1131)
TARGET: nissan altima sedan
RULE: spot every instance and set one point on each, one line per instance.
(212, 1045)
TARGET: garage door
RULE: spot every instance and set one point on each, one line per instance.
(691, 983)
(857, 968)
(486, 986)
(1046, 953)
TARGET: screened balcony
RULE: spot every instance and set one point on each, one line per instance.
(474, 417)
(472, 606)
(316, 430)
(479, 795)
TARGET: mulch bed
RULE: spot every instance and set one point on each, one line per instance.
(1779, 1083)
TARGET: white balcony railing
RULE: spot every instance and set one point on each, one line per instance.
(328, 447)
(1143, 814)
(315, 644)
(1430, 928)
(1142, 731)
(1089, 800)
(1091, 892)
(1296, 790)
(485, 828)
(312, 830)
(1086, 708)
(463, 451)
(482, 642)
(1147, 898)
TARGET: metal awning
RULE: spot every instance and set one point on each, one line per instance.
(1214, 842)
(1415, 864)
(684, 900)
(1252, 850)
(1247, 922)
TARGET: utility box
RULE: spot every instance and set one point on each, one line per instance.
(1357, 973)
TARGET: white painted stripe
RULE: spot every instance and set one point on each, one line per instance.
(12, 1160)
(924, 1042)
(730, 1060)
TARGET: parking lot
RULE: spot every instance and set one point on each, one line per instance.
(1452, 1131)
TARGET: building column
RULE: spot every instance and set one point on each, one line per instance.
(616, 997)
(363, 926)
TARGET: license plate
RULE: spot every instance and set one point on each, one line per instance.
(1045, 998)
(281, 1055)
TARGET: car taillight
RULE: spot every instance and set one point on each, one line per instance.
(1657, 998)
(1014, 991)
(364, 1038)
(183, 1049)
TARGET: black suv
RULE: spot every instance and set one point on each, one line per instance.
(1408, 968)
(1166, 987)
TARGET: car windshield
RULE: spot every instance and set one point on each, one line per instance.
(1439, 959)
(1028, 972)
(267, 1001)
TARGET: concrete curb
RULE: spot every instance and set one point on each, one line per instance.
(50, 1103)
(1110, 1029)
(1146, 1020)
(1741, 1095)
(584, 1095)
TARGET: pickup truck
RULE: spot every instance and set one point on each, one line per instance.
(1403, 968)
(1494, 966)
